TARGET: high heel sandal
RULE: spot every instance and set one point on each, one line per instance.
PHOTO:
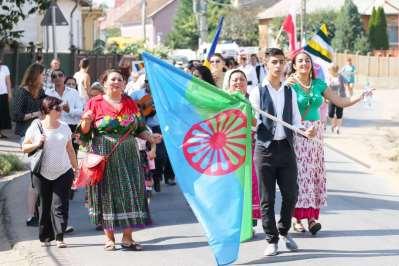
(298, 227)
(109, 245)
(314, 227)
(133, 246)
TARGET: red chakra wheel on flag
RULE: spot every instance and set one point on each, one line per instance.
(217, 146)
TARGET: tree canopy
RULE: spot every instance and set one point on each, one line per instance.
(185, 30)
(378, 35)
(349, 29)
(12, 12)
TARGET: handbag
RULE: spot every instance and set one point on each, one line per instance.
(92, 167)
(36, 156)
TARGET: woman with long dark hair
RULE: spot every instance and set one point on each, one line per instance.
(312, 193)
(202, 72)
(25, 107)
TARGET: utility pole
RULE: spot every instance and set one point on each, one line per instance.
(143, 19)
(303, 15)
(200, 8)
(53, 27)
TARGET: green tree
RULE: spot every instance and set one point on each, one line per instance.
(313, 21)
(185, 32)
(112, 32)
(381, 34)
(348, 28)
(362, 45)
(372, 29)
(241, 26)
(12, 12)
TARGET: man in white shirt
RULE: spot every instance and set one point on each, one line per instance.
(72, 104)
(274, 154)
(249, 70)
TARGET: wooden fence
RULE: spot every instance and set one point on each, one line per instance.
(380, 71)
(18, 61)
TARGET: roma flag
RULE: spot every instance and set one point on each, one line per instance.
(208, 138)
(214, 43)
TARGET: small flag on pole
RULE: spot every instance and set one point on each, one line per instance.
(214, 43)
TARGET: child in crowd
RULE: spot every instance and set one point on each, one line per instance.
(147, 156)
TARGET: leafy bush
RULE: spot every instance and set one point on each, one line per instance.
(9, 163)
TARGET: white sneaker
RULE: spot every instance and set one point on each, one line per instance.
(289, 243)
(45, 244)
(271, 249)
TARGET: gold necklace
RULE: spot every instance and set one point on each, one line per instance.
(307, 87)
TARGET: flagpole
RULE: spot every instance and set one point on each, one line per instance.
(285, 124)
(278, 36)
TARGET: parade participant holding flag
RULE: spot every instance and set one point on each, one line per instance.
(238, 83)
(274, 152)
(207, 134)
(310, 154)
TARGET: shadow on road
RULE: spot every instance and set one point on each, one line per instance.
(323, 253)
(350, 122)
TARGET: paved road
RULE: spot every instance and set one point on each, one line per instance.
(360, 227)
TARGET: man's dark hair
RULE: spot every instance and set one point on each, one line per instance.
(273, 52)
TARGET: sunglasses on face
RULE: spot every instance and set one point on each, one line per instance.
(59, 75)
(215, 61)
(70, 84)
(57, 108)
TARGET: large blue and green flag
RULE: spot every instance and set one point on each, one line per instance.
(208, 139)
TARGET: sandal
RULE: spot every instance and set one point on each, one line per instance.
(109, 246)
(298, 227)
(133, 246)
(314, 227)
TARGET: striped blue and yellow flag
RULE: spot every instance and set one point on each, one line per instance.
(320, 44)
(320, 49)
(215, 40)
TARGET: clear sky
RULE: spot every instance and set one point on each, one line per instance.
(109, 3)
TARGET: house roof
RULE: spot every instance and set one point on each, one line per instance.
(133, 16)
(365, 7)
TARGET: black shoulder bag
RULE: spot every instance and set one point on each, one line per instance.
(36, 156)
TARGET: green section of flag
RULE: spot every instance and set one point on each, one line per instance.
(209, 100)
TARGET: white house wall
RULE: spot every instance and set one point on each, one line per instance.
(37, 34)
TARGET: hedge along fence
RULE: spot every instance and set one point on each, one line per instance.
(380, 71)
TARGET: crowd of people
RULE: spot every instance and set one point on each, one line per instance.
(115, 116)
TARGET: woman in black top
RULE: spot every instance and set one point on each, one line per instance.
(28, 98)
(25, 108)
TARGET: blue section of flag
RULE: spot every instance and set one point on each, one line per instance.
(215, 39)
(216, 201)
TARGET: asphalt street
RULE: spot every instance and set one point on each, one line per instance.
(360, 227)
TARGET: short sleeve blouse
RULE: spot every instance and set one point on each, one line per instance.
(107, 120)
(309, 102)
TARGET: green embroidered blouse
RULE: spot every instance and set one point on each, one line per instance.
(310, 100)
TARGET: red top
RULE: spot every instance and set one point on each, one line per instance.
(100, 107)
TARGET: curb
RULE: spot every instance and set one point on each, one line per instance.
(6, 234)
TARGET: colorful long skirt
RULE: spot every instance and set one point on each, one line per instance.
(312, 193)
(118, 201)
(255, 191)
